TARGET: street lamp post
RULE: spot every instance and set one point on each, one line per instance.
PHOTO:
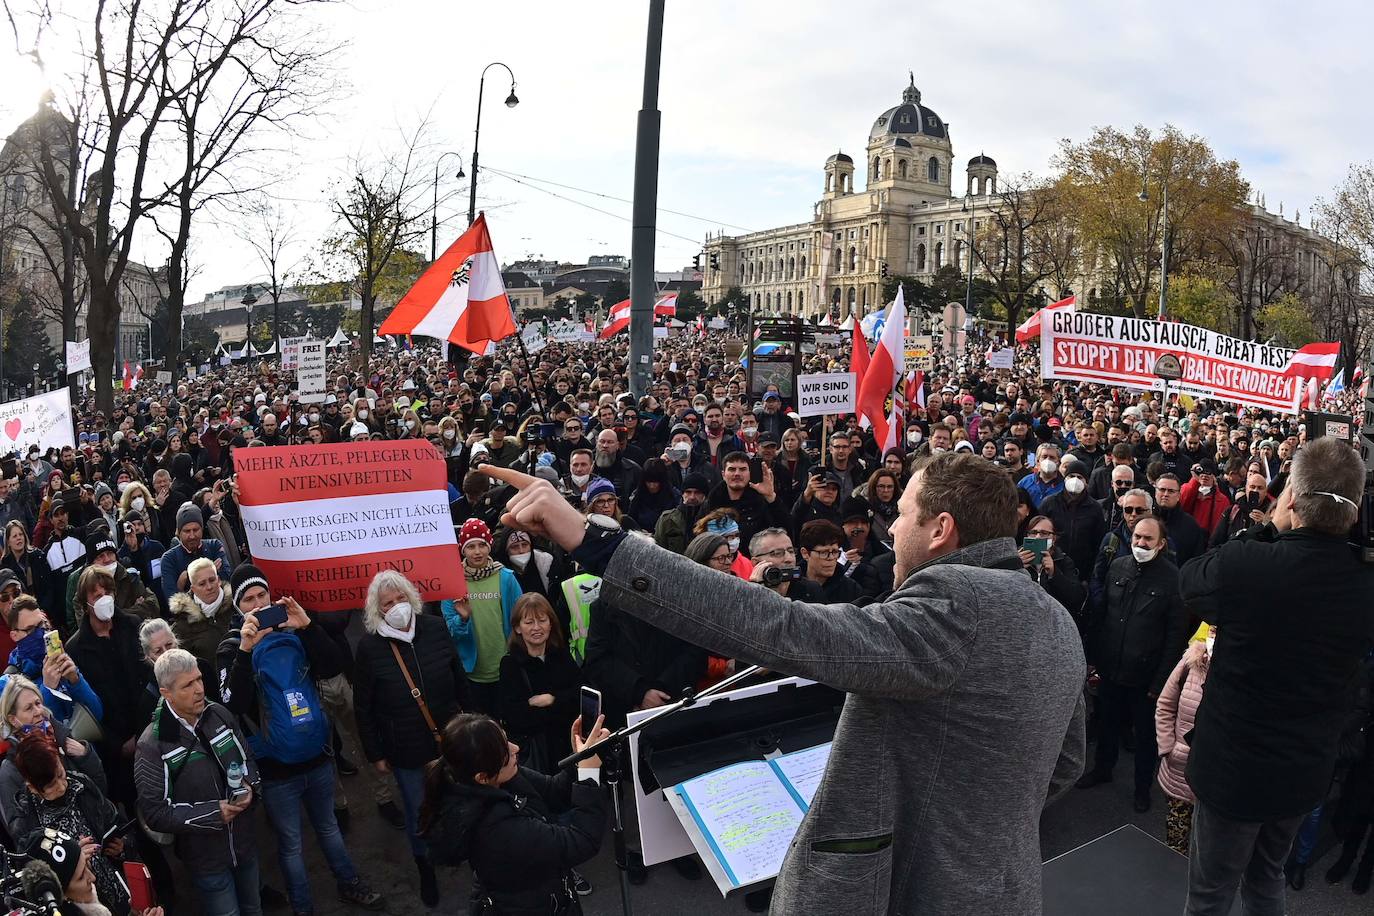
(968, 240)
(511, 102)
(1163, 237)
(35, 378)
(434, 214)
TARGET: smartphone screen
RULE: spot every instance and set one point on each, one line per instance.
(591, 708)
(54, 642)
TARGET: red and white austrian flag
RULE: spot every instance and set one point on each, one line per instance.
(323, 520)
(1316, 360)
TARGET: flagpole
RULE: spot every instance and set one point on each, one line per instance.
(529, 372)
(644, 213)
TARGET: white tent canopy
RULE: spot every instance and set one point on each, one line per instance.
(339, 339)
(848, 324)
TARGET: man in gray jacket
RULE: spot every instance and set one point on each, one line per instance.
(965, 710)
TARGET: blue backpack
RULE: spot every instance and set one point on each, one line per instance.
(294, 726)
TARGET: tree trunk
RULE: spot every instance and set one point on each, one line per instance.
(102, 321)
(365, 328)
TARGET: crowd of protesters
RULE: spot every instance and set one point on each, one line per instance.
(142, 685)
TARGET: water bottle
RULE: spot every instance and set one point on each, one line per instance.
(233, 775)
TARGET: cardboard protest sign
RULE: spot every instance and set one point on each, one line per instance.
(825, 392)
(323, 520)
(44, 420)
(310, 375)
(78, 355)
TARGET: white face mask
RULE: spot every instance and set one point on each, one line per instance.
(521, 560)
(1204, 491)
(362, 415)
(138, 502)
(410, 424)
(107, 570)
(1048, 465)
(314, 418)
(914, 437)
(1074, 485)
(103, 607)
(1143, 555)
(450, 434)
(580, 479)
(733, 544)
(398, 615)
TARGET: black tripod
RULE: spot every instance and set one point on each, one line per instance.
(615, 744)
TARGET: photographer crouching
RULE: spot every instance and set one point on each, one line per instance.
(1288, 647)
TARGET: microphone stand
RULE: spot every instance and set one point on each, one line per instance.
(617, 742)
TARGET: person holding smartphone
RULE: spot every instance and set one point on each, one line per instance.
(523, 832)
(1051, 567)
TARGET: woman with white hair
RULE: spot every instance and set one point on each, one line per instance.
(408, 681)
(203, 614)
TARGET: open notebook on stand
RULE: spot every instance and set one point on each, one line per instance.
(741, 818)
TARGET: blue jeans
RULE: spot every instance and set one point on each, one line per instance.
(230, 891)
(412, 786)
(283, 798)
(1307, 836)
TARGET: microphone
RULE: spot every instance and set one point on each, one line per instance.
(41, 887)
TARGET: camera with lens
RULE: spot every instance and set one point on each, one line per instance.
(776, 575)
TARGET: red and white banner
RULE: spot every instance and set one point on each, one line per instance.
(1111, 350)
(323, 520)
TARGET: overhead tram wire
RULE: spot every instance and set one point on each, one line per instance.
(587, 206)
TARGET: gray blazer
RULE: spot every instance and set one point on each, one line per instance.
(965, 715)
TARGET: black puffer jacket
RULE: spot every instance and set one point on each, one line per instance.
(626, 657)
(1142, 628)
(519, 846)
(390, 724)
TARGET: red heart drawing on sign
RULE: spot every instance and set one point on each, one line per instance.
(12, 428)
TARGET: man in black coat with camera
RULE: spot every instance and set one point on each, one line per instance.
(1288, 646)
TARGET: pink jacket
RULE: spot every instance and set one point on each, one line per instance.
(1174, 715)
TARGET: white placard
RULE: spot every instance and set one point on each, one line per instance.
(310, 371)
(533, 335)
(78, 355)
(164, 377)
(291, 352)
(825, 393)
(44, 420)
(1001, 359)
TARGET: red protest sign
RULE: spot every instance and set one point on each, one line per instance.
(323, 520)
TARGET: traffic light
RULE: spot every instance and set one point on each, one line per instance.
(696, 262)
(715, 261)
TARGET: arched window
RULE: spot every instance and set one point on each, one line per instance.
(781, 266)
(835, 297)
(901, 168)
(958, 254)
(851, 298)
(853, 259)
(827, 182)
(791, 268)
(789, 302)
(751, 272)
(838, 260)
(933, 169)
(803, 265)
(921, 256)
(801, 299)
(877, 168)
(939, 254)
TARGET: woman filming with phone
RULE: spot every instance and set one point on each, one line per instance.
(1051, 567)
(522, 831)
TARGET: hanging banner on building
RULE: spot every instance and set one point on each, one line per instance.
(322, 520)
(78, 356)
(310, 371)
(825, 393)
(44, 420)
(1111, 350)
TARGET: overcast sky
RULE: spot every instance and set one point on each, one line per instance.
(755, 96)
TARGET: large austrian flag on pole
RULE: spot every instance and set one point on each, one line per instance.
(323, 520)
(460, 298)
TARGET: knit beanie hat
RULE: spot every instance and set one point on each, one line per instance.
(696, 481)
(245, 577)
(473, 529)
(98, 543)
(187, 514)
(58, 850)
(599, 486)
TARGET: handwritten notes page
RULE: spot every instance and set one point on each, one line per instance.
(750, 811)
(803, 770)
